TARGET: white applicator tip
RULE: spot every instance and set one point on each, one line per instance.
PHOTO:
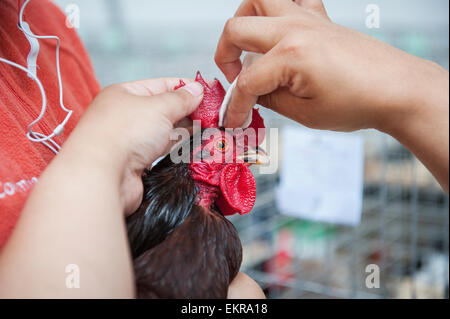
(226, 102)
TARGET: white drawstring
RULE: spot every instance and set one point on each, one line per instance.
(31, 72)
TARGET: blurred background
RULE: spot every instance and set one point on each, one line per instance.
(403, 220)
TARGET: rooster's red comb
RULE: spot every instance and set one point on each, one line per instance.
(208, 110)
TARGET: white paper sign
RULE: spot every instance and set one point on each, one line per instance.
(321, 176)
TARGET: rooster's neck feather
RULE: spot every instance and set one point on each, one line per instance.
(169, 194)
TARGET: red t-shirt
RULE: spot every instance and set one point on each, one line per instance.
(22, 161)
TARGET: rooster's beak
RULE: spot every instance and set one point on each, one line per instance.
(256, 156)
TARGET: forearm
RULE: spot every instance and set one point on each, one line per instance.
(73, 216)
(422, 123)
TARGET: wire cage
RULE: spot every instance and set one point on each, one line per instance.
(403, 232)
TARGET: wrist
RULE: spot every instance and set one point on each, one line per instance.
(422, 93)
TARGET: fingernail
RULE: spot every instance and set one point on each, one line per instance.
(235, 122)
(195, 88)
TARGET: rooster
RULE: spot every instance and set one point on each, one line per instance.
(182, 244)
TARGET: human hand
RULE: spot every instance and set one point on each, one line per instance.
(75, 213)
(318, 73)
(244, 287)
(128, 125)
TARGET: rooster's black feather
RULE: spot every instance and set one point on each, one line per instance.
(180, 249)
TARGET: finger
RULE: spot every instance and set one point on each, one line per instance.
(241, 98)
(184, 122)
(279, 99)
(250, 58)
(173, 143)
(285, 103)
(268, 8)
(150, 87)
(313, 5)
(254, 34)
(178, 104)
(262, 77)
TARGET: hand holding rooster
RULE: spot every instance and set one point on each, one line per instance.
(132, 122)
(82, 196)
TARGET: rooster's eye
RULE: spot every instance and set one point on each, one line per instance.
(221, 145)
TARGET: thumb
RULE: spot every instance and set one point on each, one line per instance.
(301, 110)
(262, 77)
(178, 104)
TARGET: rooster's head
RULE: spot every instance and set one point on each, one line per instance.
(220, 163)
